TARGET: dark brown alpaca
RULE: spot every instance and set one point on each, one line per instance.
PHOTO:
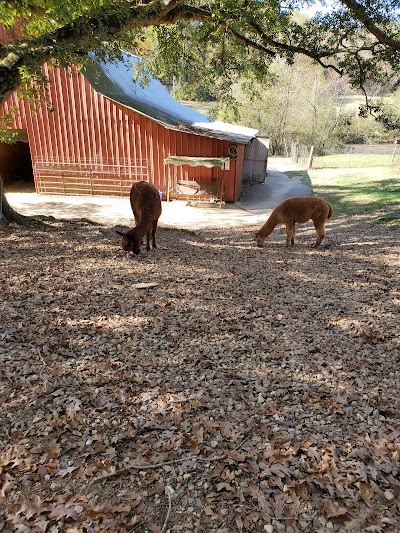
(301, 210)
(146, 207)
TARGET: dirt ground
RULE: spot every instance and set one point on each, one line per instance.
(247, 389)
(256, 203)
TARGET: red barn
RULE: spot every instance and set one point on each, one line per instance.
(99, 131)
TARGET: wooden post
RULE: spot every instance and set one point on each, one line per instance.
(351, 150)
(293, 152)
(310, 158)
(286, 147)
(394, 151)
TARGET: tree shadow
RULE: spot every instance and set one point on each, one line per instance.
(265, 356)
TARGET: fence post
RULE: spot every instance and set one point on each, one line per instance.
(394, 152)
(294, 152)
(310, 158)
(286, 148)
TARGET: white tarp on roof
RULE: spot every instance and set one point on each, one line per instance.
(114, 79)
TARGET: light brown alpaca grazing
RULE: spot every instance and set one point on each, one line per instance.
(301, 210)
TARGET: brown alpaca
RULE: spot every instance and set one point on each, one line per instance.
(146, 207)
(301, 210)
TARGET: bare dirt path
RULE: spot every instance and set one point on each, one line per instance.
(255, 205)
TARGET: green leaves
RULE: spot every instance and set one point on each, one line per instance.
(207, 45)
(8, 135)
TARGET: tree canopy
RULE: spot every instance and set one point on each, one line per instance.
(359, 39)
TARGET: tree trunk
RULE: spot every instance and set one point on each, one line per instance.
(7, 213)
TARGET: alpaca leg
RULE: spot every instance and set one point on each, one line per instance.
(289, 234)
(320, 229)
(294, 231)
(148, 238)
(153, 234)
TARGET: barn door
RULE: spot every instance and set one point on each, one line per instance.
(255, 160)
(16, 165)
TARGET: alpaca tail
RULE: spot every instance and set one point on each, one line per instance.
(330, 211)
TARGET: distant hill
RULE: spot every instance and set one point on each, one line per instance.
(354, 101)
(202, 107)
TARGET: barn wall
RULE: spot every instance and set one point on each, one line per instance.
(84, 143)
(8, 36)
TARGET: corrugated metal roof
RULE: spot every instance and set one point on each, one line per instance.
(115, 80)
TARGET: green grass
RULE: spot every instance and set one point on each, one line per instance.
(392, 220)
(354, 191)
(301, 175)
(202, 107)
(353, 102)
(352, 160)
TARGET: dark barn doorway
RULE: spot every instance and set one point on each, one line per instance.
(16, 165)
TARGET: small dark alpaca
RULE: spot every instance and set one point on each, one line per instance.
(146, 207)
(301, 210)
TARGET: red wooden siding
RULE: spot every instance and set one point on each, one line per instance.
(10, 35)
(90, 144)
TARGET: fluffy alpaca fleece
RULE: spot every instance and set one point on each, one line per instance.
(301, 210)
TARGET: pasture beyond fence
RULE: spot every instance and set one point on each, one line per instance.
(350, 155)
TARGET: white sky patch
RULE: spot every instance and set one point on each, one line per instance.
(318, 7)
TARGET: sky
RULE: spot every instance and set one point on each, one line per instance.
(310, 11)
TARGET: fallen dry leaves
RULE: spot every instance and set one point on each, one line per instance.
(244, 389)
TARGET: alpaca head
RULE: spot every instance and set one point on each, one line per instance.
(130, 241)
(258, 239)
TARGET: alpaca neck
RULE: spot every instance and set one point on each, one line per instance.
(138, 232)
(269, 226)
(144, 224)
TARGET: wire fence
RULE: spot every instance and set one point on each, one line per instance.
(351, 155)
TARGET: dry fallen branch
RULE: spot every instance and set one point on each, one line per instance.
(122, 471)
(169, 492)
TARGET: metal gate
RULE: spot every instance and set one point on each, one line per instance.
(99, 176)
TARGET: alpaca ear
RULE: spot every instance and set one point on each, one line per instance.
(120, 233)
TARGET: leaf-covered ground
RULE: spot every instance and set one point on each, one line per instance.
(252, 389)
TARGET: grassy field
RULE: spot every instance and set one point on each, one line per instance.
(364, 189)
(350, 160)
